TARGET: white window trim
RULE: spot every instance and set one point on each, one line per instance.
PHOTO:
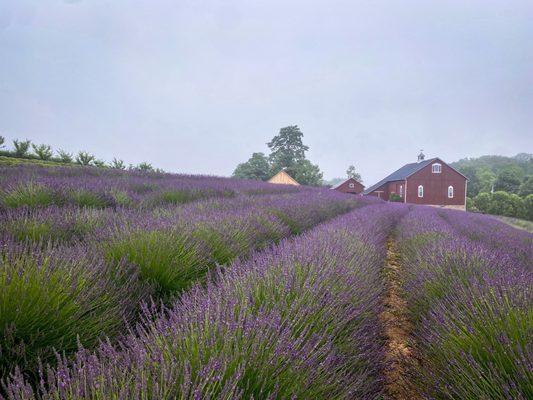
(450, 192)
(401, 190)
(420, 191)
(436, 170)
(351, 185)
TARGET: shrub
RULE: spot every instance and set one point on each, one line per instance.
(468, 295)
(225, 242)
(65, 157)
(167, 260)
(395, 197)
(54, 224)
(121, 198)
(173, 197)
(528, 206)
(503, 203)
(43, 151)
(470, 205)
(48, 302)
(30, 195)
(33, 231)
(482, 202)
(145, 167)
(99, 163)
(299, 320)
(84, 158)
(21, 147)
(117, 164)
(86, 198)
(143, 188)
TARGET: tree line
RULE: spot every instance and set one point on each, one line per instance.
(499, 185)
(27, 150)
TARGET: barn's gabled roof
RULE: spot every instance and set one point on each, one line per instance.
(343, 182)
(401, 174)
(283, 175)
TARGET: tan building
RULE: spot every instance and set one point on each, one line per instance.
(283, 178)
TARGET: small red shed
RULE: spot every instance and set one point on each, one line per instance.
(430, 182)
(351, 186)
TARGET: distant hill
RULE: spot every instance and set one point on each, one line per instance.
(486, 171)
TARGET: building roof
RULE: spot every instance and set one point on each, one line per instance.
(283, 177)
(401, 174)
(343, 182)
(406, 171)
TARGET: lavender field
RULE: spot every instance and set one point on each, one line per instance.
(129, 285)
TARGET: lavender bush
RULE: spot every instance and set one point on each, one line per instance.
(468, 283)
(295, 321)
(35, 186)
(86, 266)
(57, 298)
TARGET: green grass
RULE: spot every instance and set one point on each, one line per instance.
(517, 223)
(14, 161)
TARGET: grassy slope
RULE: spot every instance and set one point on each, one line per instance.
(517, 223)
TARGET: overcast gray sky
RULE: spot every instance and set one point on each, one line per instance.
(198, 85)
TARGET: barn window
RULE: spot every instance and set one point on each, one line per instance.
(436, 168)
(420, 191)
(401, 190)
(351, 185)
(450, 192)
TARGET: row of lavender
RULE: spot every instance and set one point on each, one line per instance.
(299, 320)
(35, 186)
(70, 274)
(468, 281)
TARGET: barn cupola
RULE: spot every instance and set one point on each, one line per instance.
(421, 156)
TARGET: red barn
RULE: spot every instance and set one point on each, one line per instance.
(351, 186)
(429, 182)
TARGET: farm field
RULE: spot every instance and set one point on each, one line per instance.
(129, 285)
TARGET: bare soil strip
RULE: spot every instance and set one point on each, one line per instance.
(397, 330)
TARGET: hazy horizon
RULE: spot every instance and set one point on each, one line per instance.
(199, 86)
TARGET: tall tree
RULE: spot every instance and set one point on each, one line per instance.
(257, 167)
(526, 187)
(287, 148)
(352, 173)
(485, 179)
(2, 141)
(305, 173)
(509, 179)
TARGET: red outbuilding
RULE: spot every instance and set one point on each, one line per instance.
(351, 186)
(430, 182)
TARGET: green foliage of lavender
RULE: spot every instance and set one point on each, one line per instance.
(29, 195)
(56, 299)
(81, 250)
(299, 320)
(38, 186)
(468, 284)
(166, 259)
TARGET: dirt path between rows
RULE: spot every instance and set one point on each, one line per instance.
(397, 330)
